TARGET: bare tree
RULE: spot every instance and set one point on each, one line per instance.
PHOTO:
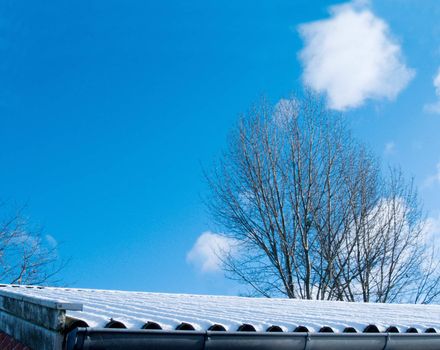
(312, 213)
(388, 244)
(26, 255)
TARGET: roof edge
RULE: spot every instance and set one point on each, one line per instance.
(99, 338)
(51, 304)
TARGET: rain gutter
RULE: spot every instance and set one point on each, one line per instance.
(127, 339)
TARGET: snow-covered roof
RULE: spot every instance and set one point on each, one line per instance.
(135, 310)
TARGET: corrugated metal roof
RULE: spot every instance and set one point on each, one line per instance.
(136, 310)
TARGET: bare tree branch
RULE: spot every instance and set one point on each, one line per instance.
(316, 216)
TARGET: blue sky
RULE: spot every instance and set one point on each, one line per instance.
(109, 111)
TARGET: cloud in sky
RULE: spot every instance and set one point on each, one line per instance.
(432, 231)
(435, 107)
(390, 148)
(432, 227)
(285, 109)
(207, 251)
(352, 57)
(434, 178)
(51, 241)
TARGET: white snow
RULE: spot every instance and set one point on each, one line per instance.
(134, 309)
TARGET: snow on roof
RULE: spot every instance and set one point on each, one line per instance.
(181, 311)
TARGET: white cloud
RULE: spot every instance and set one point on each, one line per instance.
(207, 252)
(432, 229)
(351, 57)
(390, 148)
(432, 233)
(51, 241)
(285, 109)
(433, 179)
(435, 107)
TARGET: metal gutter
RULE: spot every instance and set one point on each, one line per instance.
(127, 339)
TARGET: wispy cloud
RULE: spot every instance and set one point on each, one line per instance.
(285, 109)
(432, 230)
(352, 57)
(434, 178)
(431, 236)
(390, 148)
(207, 252)
(435, 107)
(51, 241)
